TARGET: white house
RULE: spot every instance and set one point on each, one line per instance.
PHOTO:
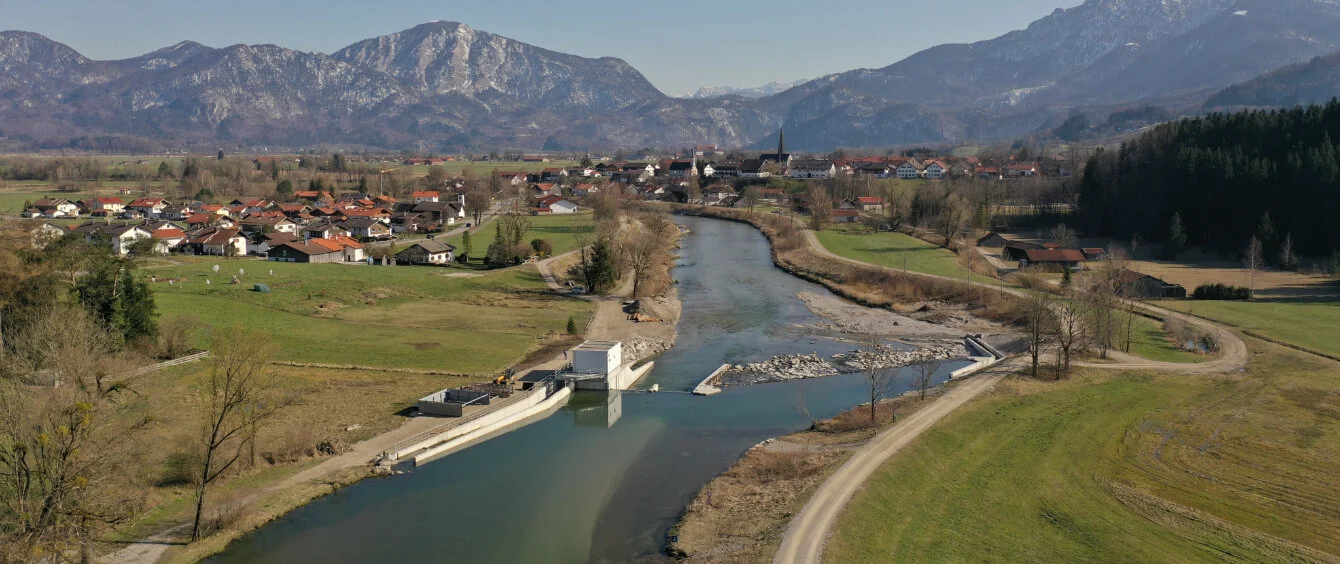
(753, 168)
(812, 168)
(935, 170)
(909, 170)
(51, 207)
(122, 236)
(112, 206)
(556, 204)
(427, 196)
(150, 207)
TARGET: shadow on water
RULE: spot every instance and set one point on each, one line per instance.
(605, 477)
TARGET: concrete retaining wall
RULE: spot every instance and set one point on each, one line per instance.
(520, 405)
(629, 376)
(483, 427)
(707, 386)
(989, 357)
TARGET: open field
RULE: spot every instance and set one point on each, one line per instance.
(561, 231)
(890, 249)
(482, 169)
(1153, 342)
(1119, 467)
(342, 406)
(1310, 324)
(347, 314)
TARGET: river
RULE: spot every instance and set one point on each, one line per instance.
(603, 479)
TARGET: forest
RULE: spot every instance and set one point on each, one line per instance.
(1221, 174)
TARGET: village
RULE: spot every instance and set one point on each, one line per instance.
(322, 225)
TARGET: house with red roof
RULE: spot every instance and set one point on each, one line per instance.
(149, 207)
(426, 196)
(1052, 259)
(110, 205)
(1021, 170)
(845, 216)
(216, 241)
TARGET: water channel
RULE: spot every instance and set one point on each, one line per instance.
(603, 479)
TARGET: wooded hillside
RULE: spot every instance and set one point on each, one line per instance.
(1222, 173)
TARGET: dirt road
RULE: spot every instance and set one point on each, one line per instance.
(804, 538)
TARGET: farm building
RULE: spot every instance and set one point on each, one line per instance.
(1015, 250)
(846, 216)
(557, 204)
(1052, 259)
(1136, 285)
(304, 252)
(426, 252)
(993, 240)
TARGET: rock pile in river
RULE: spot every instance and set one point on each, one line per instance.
(800, 366)
(856, 361)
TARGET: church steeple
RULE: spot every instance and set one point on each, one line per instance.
(781, 142)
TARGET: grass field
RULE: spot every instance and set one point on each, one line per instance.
(1124, 467)
(1153, 343)
(561, 231)
(1308, 324)
(894, 250)
(483, 169)
(405, 316)
(340, 405)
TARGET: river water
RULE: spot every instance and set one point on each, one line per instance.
(603, 479)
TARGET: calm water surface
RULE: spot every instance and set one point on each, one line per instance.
(603, 479)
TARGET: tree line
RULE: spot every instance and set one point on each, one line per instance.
(1209, 181)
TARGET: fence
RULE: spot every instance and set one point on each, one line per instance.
(166, 364)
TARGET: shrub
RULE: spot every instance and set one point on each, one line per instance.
(1219, 291)
(542, 247)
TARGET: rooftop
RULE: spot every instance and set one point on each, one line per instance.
(598, 346)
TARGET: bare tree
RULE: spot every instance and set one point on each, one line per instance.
(59, 452)
(1253, 258)
(640, 249)
(477, 202)
(897, 203)
(55, 473)
(1040, 324)
(821, 208)
(66, 344)
(515, 226)
(880, 377)
(1065, 236)
(237, 395)
(924, 374)
(953, 215)
(1070, 334)
(750, 197)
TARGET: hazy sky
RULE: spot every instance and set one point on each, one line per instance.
(679, 45)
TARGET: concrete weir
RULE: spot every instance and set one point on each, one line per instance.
(988, 357)
(706, 387)
(597, 366)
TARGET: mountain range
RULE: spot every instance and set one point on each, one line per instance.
(447, 86)
(755, 92)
